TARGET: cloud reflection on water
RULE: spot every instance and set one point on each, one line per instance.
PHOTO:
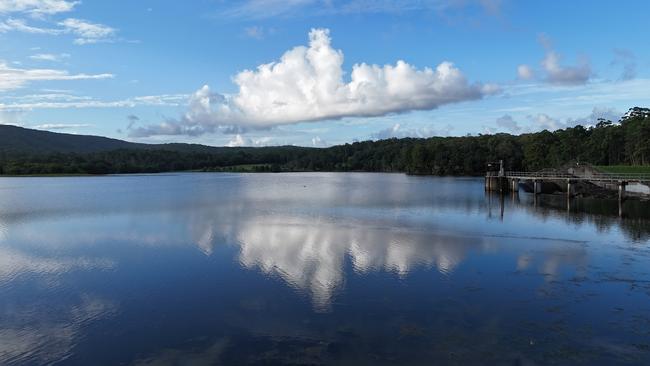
(43, 333)
(14, 263)
(310, 254)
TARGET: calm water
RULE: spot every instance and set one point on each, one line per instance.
(311, 269)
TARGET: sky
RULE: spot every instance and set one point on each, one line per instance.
(318, 72)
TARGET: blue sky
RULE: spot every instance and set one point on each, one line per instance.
(318, 72)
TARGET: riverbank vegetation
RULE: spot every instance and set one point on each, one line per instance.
(604, 144)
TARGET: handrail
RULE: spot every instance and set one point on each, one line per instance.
(590, 176)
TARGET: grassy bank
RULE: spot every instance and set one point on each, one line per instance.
(624, 169)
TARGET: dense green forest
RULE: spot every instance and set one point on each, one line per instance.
(606, 143)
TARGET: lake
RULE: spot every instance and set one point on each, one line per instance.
(316, 268)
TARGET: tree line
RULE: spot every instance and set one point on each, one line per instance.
(605, 143)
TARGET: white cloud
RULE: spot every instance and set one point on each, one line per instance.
(49, 96)
(85, 31)
(88, 32)
(558, 74)
(14, 78)
(307, 84)
(398, 131)
(610, 114)
(389, 132)
(525, 72)
(60, 126)
(542, 121)
(50, 57)
(565, 75)
(554, 72)
(508, 123)
(19, 25)
(240, 141)
(318, 142)
(545, 122)
(37, 7)
(11, 117)
(66, 101)
(237, 141)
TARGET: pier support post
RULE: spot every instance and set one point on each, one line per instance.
(514, 185)
(621, 190)
(537, 187)
(569, 194)
(621, 196)
(502, 204)
(569, 189)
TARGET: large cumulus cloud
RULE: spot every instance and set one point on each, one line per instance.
(308, 84)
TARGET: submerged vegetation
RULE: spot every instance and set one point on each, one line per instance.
(605, 144)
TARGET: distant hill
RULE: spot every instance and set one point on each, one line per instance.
(19, 139)
(15, 139)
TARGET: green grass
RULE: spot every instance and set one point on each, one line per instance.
(624, 169)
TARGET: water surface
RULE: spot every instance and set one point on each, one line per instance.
(313, 269)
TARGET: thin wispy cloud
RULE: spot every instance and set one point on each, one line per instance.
(259, 9)
(14, 78)
(50, 57)
(84, 31)
(37, 7)
(263, 9)
(81, 102)
(61, 126)
(87, 32)
(240, 141)
(20, 25)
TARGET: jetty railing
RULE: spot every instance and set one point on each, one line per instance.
(602, 177)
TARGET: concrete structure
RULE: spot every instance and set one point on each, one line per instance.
(504, 181)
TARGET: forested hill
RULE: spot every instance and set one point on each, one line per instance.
(24, 151)
(14, 139)
(24, 140)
